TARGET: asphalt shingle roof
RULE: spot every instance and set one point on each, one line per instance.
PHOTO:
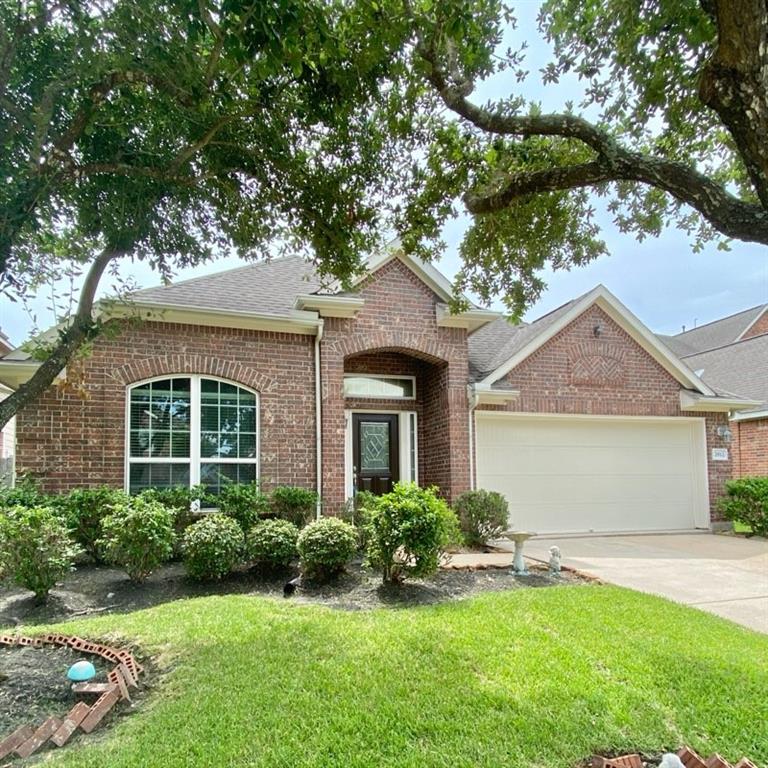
(266, 287)
(493, 344)
(740, 368)
(712, 335)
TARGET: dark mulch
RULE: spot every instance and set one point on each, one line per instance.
(94, 590)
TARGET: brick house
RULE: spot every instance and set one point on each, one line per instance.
(731, 354)
(583, 419)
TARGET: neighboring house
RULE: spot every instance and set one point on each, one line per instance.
(583, 419)
(7, 432)
(731, 355)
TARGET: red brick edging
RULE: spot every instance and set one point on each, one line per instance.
(688, 758)
(27, 739)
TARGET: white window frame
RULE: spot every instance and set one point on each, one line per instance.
(194, 459)
(390, 377)
(407, 469)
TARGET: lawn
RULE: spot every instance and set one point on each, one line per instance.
(536, 677)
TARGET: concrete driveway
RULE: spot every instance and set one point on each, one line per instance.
(725, 575)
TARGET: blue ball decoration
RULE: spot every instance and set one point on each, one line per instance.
(81, 671)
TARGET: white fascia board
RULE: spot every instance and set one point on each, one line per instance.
(330, 306)
(472, 319)
(603, 298)
(751, 415)
(297, 321)
(759, 315)
(13, 373)
(694, 401)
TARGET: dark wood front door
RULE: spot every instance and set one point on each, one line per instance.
(375, 451)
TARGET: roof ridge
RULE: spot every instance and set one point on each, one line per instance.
(198, 278)
(724, 346)
(720, 319)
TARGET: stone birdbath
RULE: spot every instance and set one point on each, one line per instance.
(519, 537)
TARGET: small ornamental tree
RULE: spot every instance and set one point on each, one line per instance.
(747, 502)
(482, 515)
(409, 530)
(212, 547)
(36, 549)
(137, 536)
(326, 546)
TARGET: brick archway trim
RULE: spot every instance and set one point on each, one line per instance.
(416, 344)
(168, 365)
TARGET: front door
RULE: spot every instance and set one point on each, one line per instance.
(375, 451)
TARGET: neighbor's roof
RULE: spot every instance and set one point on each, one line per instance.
(267, 287)
(495, 343)
(740, 368)
(713, 335)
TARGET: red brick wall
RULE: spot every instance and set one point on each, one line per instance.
(750, 447)
(576, 372)
(760, 327)
(71, 440)
(399, 316)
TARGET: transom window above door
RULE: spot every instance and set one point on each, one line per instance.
(375, 386)
(186, 430)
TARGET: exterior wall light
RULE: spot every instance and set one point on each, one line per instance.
(725, 433)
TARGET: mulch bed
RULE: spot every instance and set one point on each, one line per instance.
(95, 590)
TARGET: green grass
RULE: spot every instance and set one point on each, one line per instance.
(538, 677)
(741, 527)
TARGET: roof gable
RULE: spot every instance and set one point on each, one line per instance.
(718, 333)
(534, 336)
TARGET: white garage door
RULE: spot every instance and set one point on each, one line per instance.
(565, 474)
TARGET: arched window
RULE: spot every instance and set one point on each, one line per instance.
(185, 430)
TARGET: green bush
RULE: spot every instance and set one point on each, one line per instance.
(297, 505)
(482, 515)
(356, 511)
(747, 502)
(243, 502)
(179, 500)
(409, 530)
(326, 546)
(84, 509)
(26, 493)
(272, 543)
(212, 547)
(137, 536)
(36, 548)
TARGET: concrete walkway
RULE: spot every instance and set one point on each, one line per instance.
(725, 575)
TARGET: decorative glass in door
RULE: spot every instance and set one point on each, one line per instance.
(374, 446)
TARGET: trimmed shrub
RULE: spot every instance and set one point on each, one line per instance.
(84, 509)
(36, 548)
(482, 515)
(747, 502)
(272, 543)
(26, 493)
(137, 536)
(297, 505)
(409, 530)
(243, 502)
(212, 547)
(178, 499)
(325, 547)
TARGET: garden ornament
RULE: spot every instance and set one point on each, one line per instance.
(554, 559)
(670, 760)
(519, 537)
(289, 588)
(81, 671)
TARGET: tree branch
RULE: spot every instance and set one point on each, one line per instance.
(71, 339)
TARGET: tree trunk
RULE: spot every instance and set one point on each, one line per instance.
(79, 331)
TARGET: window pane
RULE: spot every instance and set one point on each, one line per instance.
(157, 475)
(180, 445)
(228, 394)
(248, 419)
(209, 418)
(209, 444)
(247, 399)
(372, 386)
(228, 419)
(160, 443)
(140, 443)
(374, 446)
(247, 446)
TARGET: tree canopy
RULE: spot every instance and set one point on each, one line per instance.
(672, 130)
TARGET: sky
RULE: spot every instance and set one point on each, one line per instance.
(660, 279)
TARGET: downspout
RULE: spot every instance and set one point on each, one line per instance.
(473, 398)
(318, 420)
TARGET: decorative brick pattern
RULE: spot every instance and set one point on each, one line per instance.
(688, 758)
(26, 740)
(750, 447)
(548, 383)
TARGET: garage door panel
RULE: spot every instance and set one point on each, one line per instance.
(570, 474)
